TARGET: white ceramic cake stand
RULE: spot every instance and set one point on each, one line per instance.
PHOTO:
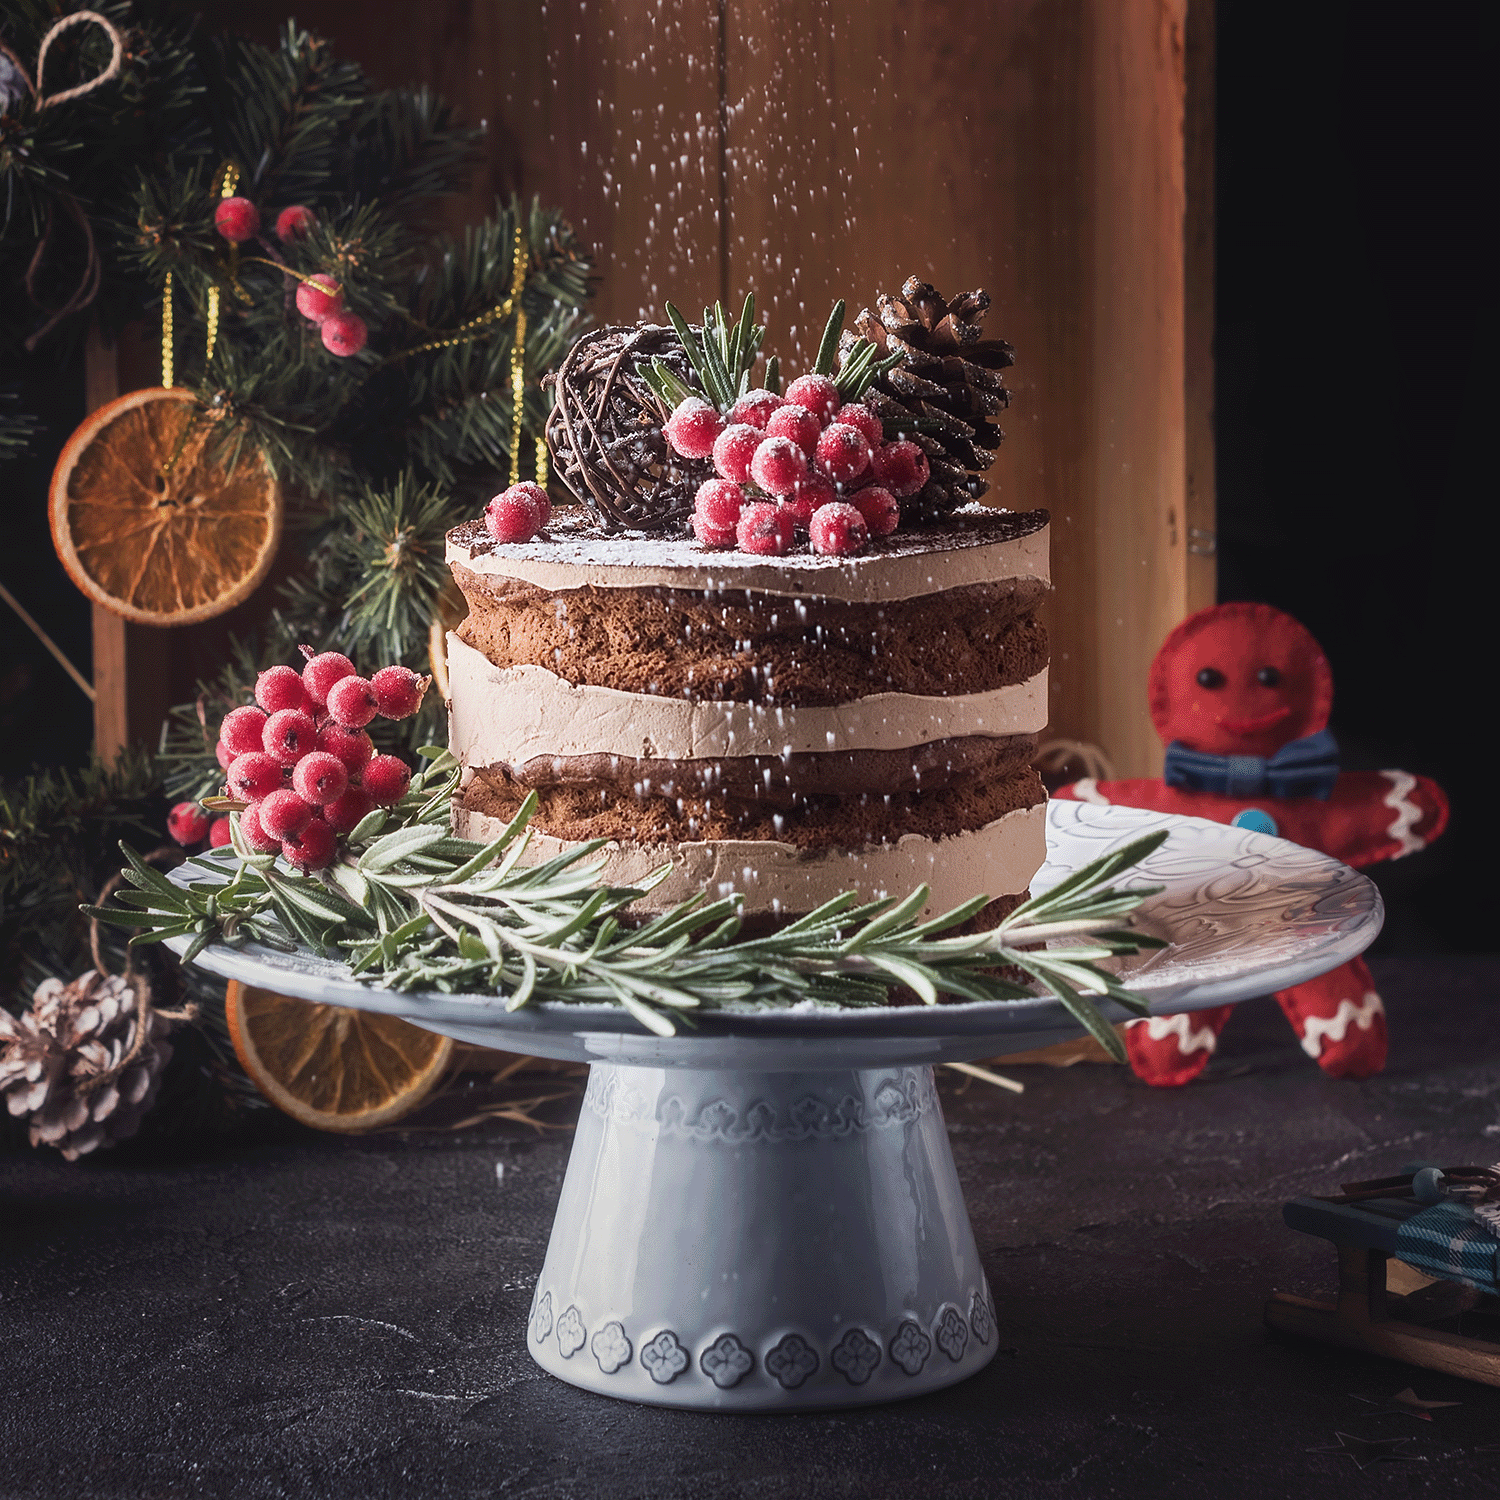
(764, 1214)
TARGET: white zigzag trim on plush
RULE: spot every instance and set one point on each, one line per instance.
(1159, 1028)
(1336, 1026)
(1407, 812)
(1087, 790)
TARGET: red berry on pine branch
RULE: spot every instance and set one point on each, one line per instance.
(352, 703)
(711, 536)
(218, 833)
(837, 530)
(294, 222)
(320, 778)
(187, 823)
(811, 494)
(779, 466)
(282, 687)
(343, 334)
(719, 502)
(766, 529)
(398, 690)
(693, 428)
(311, 849)
(352, 746)
(512, 516)
(798, 424)
(319, 297)
(900, 467)
(283, 815)
(880, 509)
(843, 453)
(345, 815)
(734, 448)
(254, 835)
(386, 779)
(540, 501)
(755, 408)
(243, 730)
(237, 219)
(290, 734)
(254, 775)
(855, 415)
(322, 671)
(817, 393)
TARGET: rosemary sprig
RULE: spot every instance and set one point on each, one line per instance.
(411, 907)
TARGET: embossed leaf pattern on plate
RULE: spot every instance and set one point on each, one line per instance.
(726, 1361)
(792, 1361)
(855, 1356)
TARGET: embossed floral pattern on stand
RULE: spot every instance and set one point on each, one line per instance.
(792, 1361)
(910, 1347)
(951, 1333)
(855, 1356)
(610, 1347)
(541, 1319)
(570, 1332)
(726, 1361)
(979, 1318)
(664, 1357)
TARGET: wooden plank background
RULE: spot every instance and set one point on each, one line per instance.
(811, 149)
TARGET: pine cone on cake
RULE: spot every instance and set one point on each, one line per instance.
(78, 1063)
(945, 392)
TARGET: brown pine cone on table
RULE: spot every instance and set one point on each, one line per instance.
(77, 1064)
(945, 392)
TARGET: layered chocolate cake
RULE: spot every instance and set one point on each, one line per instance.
(786, 727)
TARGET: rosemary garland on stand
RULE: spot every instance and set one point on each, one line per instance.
(410, 907)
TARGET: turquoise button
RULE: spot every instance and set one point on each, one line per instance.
(1255, 820)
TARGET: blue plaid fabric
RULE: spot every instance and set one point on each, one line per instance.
(1449, 1242)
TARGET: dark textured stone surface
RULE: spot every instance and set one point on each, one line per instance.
(305, 1316)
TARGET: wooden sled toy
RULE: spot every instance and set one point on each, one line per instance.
(1419, 1270)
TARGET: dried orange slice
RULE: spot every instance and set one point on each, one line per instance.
(149, 519)
(331, 1067)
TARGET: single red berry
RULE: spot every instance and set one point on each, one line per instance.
(733, 450)
(187, 823)
(817, 393)
(283, 815)
(223, 755)
(766, 529)
(811, 493)
(294, 222)
(237, 219)
(352, 746)
(512, 516)
(345, 815)
(798, 424)
(879, 507)
(243, 730)
(779, 465)
(713, 537)
(855, 415)
(322, 671)
(218, 833)
(320, 778)
(319, 297)
(900, 467)
(538, 497)
(290, 734)
(837, 530)
(311, 849)
(398, 691)
(386, 779)
(344, 334)
(843, 453)
(754, 408)
(282, 687)
(719, 502)
(254, 775)
(693, 428)
(253, 834)
(352, 703)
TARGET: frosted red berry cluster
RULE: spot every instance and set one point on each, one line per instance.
(803, 462)
(518, 513)
(300, 758)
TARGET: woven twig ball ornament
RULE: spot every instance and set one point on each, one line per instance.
(84, 1063)
(605, 432)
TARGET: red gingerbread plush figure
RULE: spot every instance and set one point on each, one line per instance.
(1241, 693)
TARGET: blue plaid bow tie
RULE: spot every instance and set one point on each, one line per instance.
(1304, 768)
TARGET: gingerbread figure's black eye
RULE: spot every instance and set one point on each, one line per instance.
(1268, 677)
(1210, 677)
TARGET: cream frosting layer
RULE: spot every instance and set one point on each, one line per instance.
(914, 565)
(508, 715)
(996, 860)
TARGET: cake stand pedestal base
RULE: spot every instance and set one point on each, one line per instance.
(757, 1241)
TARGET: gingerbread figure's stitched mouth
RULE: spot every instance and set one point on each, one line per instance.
(1256, 725)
